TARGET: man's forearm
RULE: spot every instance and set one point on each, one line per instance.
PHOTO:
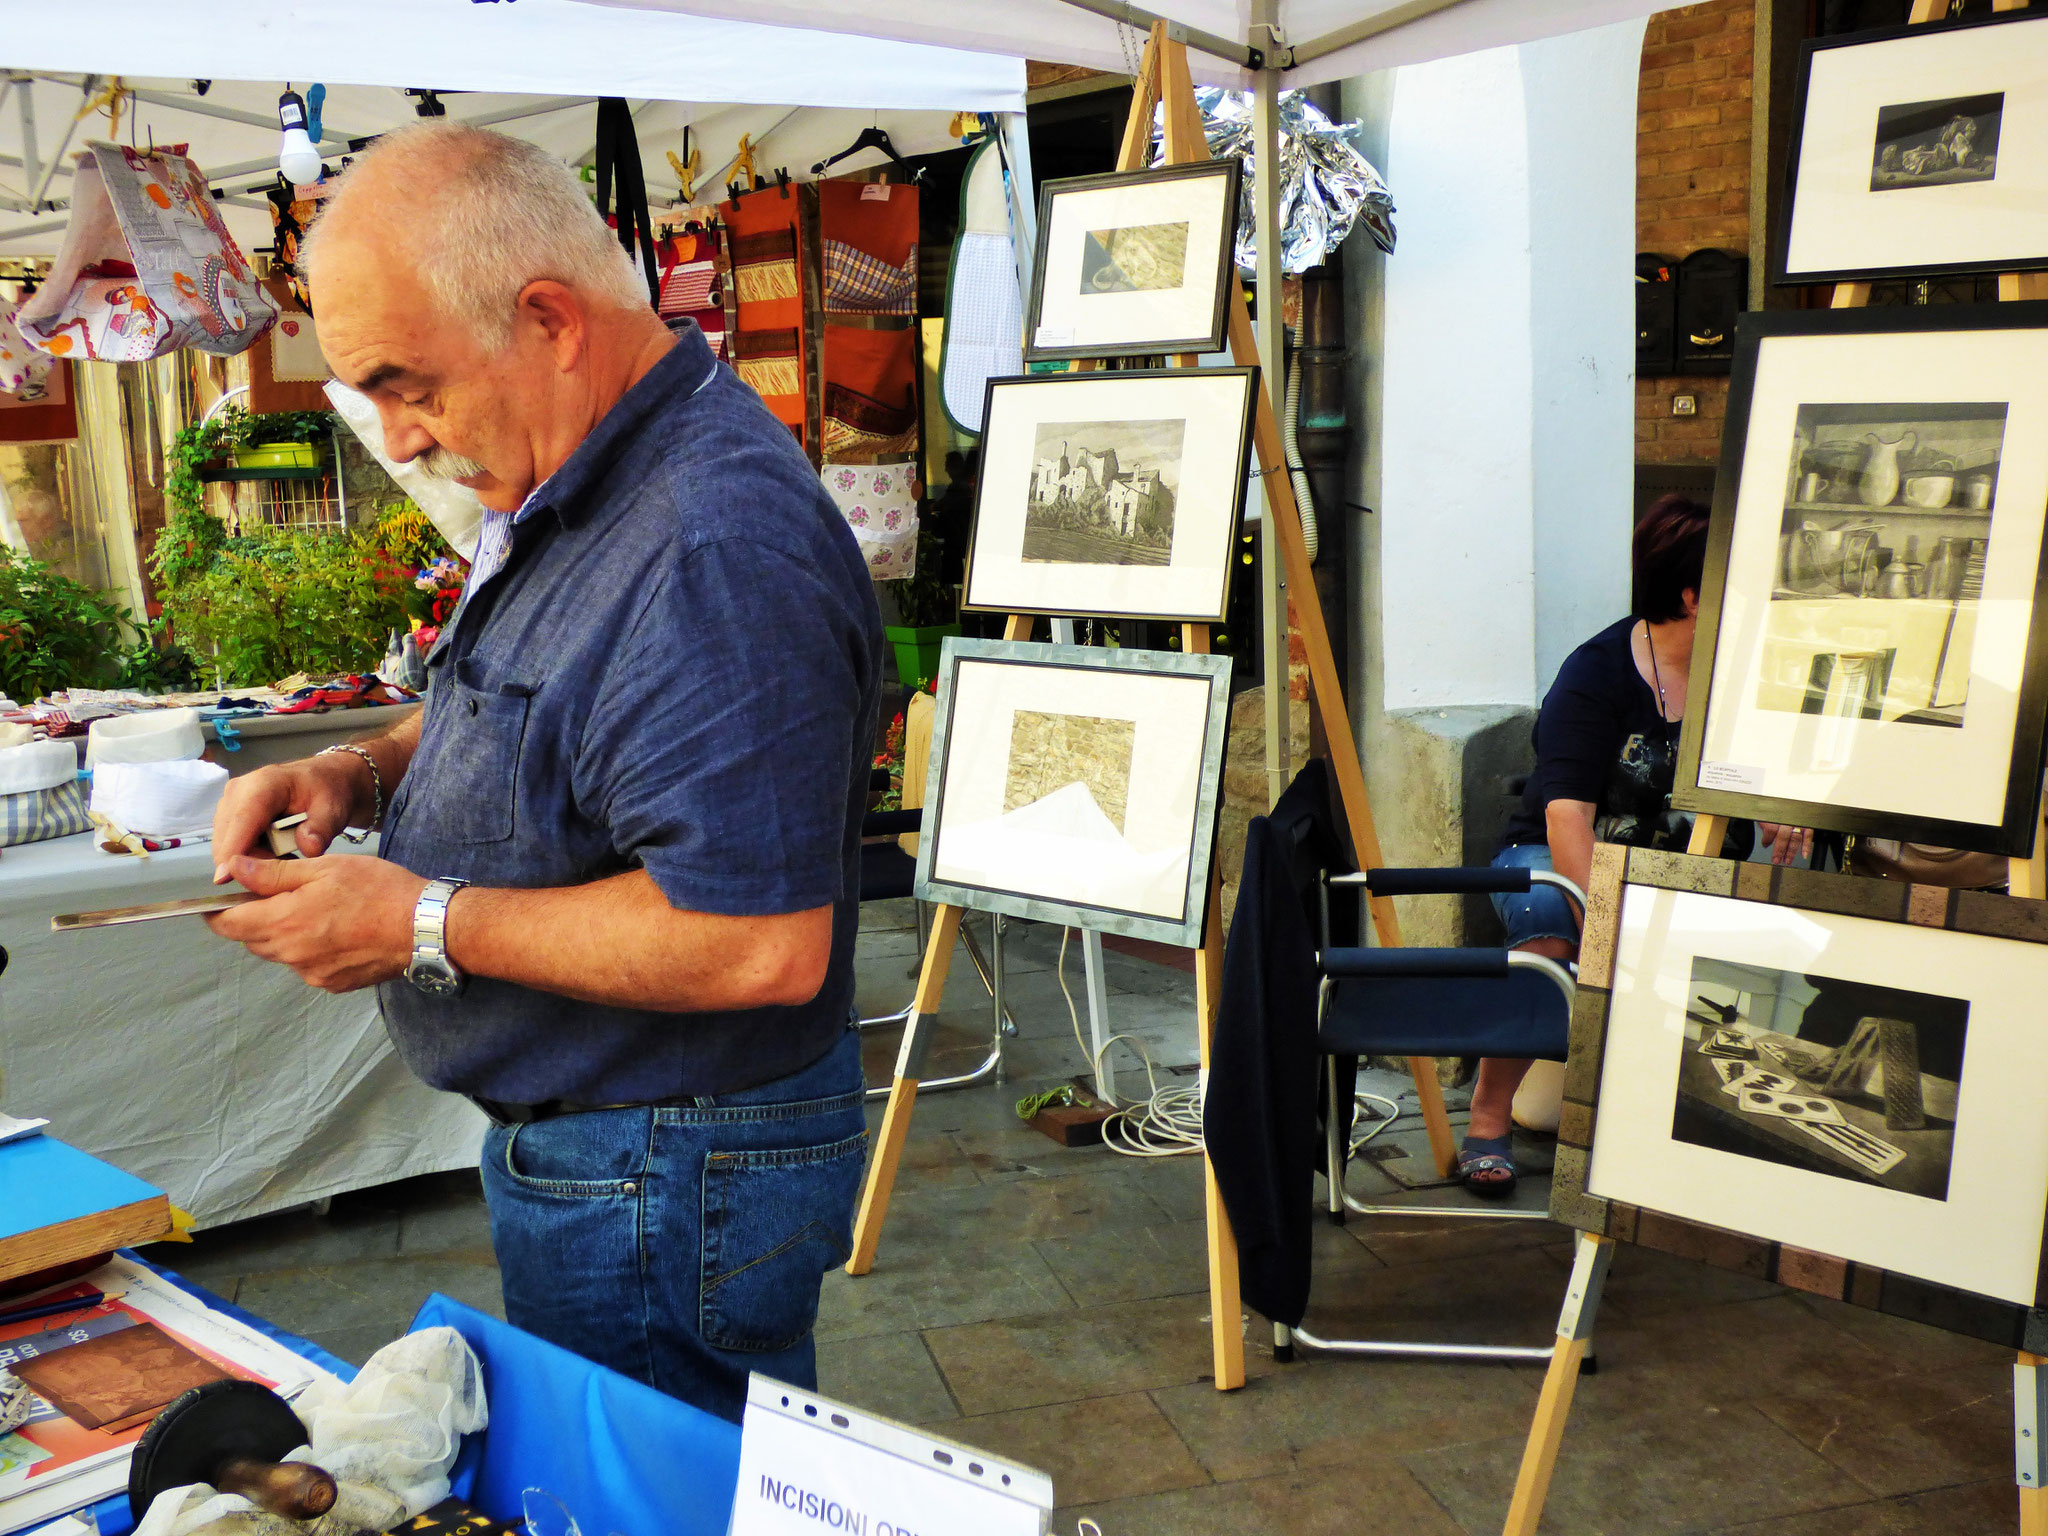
(619, 941)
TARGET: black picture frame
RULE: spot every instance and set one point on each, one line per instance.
(1211, 340)
(2013, 835)
(1226, 543)
(1780, 273)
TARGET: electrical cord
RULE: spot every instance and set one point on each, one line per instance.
(1167, 1122)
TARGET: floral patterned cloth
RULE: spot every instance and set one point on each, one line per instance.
(879, 503)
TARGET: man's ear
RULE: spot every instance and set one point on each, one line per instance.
(557, 312)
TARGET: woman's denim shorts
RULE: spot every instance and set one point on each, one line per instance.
(1542, 911)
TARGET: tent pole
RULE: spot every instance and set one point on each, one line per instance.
(199, 108)
(1193, 37)
(1015, 134)
(32, 167)
(1372, 26)
(1272, 338)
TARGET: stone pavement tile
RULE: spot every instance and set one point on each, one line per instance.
(454, 1221)
(1067, 1205)
(1506, 1297)
(1917, 1431)
(356, 1345)
(1969, 1509)
(1403, 1240)
(970, 1278)
(1380, 1498)
(1027, 1362)
(355, 1229)
(1902, 1340)
(1328, 1411)
(1641, 1282)
(1096, 1449)
(1675, 1467)
(892, 1374)
(1169, 1260)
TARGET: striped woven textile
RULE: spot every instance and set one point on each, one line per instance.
(854, 280)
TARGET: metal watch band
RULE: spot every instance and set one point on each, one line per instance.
(376, 778)
(430, 918)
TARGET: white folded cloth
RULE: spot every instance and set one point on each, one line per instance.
(159, 799)
(14, 734)
(36, 765)
(152, 736)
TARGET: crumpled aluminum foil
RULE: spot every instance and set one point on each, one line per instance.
(1326, 185)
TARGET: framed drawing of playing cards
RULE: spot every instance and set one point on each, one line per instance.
(1134, 263)
(1919, 151)
(1872, 653)
(1828, 1082)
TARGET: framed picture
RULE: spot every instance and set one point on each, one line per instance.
(1918, 151)
(1139, 262)
(1111, 494)
(1075, 785)
(1827, 1082)
(1870, 652)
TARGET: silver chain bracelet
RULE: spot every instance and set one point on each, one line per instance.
(376, 787)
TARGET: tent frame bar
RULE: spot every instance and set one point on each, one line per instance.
(1372, 26)
(1281, 55)
(1193, 37)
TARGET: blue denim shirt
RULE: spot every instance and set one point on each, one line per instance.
(677, 669)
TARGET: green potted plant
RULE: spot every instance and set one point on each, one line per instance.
(282, 440)
(54, 632)
(929, 608)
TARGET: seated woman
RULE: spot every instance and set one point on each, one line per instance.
(1606, 751)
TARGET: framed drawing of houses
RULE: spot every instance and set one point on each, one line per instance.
(1919, 151)
(1827, 1082)
(1135, 263)
(1872, 655)
(1075, 785)
(1111, 494)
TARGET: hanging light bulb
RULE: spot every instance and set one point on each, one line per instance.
(296, 156)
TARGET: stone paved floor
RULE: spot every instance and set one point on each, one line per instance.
(1051, 1305)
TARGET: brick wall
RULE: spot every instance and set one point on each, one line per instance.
(1692, 187)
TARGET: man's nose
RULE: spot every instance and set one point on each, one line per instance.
(405, 440)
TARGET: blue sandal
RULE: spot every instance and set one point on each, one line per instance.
(1486, 1169)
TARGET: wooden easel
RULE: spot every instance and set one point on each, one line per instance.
(1164, 76)
(2029, 878)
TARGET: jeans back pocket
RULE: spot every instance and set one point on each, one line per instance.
(774, 1222)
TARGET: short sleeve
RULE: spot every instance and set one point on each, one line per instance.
(719, 751)
(1578, 732)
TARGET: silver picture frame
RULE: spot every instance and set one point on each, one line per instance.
(1004, 829)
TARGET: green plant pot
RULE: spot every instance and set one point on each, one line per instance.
(278, 456)
(917, 650)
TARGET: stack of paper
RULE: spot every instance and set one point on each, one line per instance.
(53, 1465)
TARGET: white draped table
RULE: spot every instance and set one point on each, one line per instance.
(220, 1078)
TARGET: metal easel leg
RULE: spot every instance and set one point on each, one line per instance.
(2030, 1457)
(1554, 1405)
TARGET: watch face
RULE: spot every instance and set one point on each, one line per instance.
(436, 979)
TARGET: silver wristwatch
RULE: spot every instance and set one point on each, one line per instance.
(431, 971)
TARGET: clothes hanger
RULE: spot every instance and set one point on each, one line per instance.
(870, 138)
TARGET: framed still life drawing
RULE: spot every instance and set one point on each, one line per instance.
(1075, 785)
(1920, 151)
(1134, 263)
(1870, 652)
(1822, 1081)
(1112, 494)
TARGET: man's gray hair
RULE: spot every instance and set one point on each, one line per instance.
(489, 214)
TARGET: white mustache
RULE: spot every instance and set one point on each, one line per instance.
(445, 464)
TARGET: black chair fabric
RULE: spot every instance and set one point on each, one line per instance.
(1518, 1013)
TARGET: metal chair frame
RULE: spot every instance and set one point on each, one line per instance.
(990, 969)
(1337, 1157)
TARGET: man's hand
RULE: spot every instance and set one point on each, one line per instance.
(324, 788)
(341, 923)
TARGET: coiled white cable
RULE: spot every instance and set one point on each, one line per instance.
(1167, 1122)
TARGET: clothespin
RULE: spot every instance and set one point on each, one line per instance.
(743, 161)
(782, 179)
(686, 172)
(969, 125)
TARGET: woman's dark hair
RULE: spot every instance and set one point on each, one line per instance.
(1670, 553)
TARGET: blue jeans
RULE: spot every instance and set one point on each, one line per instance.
(1542, 911)
(684, 1245)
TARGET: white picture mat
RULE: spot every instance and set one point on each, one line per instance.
(1956, 774)
(1838, 224)
(1206, 496)
(1985, 1237)
(1170, 712)
(1069, 317)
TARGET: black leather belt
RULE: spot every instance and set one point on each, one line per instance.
(549, 1109)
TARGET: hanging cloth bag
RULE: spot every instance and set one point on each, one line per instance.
(146, 267)
(618, 153)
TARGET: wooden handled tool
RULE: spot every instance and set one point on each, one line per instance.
(283, 836)
(229, 1434)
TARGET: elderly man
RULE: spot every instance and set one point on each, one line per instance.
(618, 894)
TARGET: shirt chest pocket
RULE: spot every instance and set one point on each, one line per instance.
(473, 790)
